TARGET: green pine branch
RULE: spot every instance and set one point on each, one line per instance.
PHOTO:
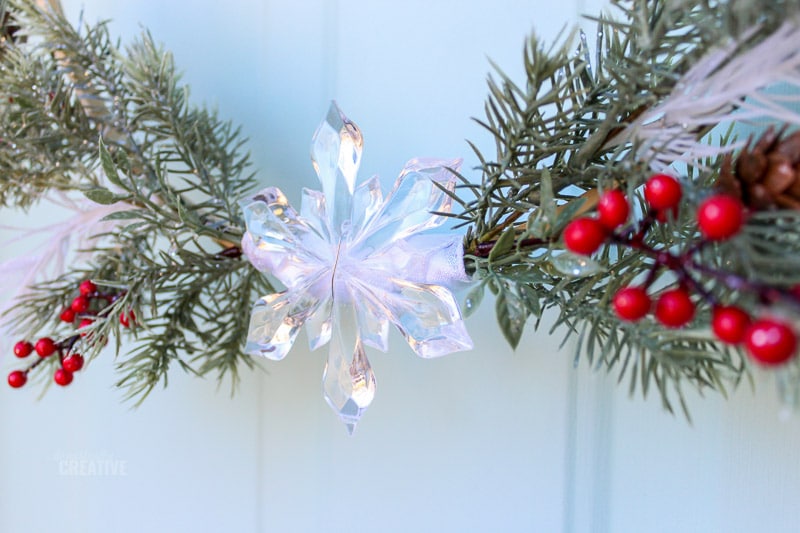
(116, 125)
(555, 147)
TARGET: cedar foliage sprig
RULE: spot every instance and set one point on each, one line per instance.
(84, 115)
(556, 148)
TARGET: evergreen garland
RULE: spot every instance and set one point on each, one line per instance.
(82, 116)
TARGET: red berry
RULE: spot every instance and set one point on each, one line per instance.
(662, 192)
(45, 346)
(613, 209)
(631, 303)
(794, 290)
(17, 379)
(23, 349)
(72, 362)
(87, 287)
(675, 308)
(62, 377)
(126, 318)
(720, 217)
(584, 235)
(80, 304)
(770, 342)
(86, 322)
(67, 315)
(729, 323)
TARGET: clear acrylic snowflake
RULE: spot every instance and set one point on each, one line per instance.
(353, 261)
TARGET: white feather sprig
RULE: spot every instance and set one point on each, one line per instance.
(62, 241)
(723, 86)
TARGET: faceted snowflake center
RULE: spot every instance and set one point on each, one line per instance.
(347, 267)
(335, 267)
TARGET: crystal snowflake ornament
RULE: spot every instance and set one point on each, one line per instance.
(352, 262)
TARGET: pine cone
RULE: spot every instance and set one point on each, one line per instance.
(765, 176)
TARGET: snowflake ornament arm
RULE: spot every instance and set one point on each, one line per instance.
(353, 262)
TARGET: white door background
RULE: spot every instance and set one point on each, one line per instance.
(488, 440)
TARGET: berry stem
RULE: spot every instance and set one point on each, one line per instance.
(651, 275)
(231, 252)
(483, 249)
(37, 362)
(683, 265)
(685, 278)
(766, 293)
(68, 343)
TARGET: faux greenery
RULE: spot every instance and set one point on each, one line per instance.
(83, 116)
(116, 125)
(557, 144)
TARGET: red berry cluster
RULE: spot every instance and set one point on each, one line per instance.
(585, 235)
(674, 307)
(86, 307)
(70, 361)
(719, 217)
(769, 341)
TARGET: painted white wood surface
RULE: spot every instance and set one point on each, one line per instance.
(488, 440)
